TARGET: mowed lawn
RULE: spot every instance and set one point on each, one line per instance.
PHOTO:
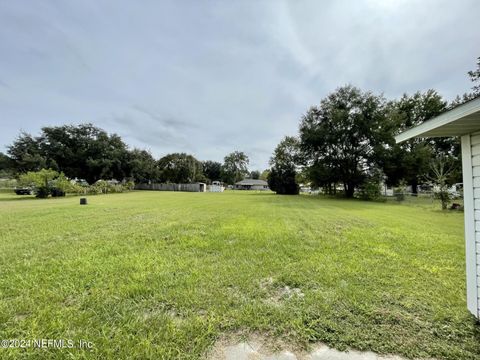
(165, 274)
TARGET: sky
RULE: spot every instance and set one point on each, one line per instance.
(211, 77)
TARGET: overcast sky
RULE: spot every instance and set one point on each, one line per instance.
(210, 77)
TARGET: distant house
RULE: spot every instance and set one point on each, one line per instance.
(251, 184)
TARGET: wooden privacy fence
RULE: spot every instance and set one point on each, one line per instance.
(197, 187)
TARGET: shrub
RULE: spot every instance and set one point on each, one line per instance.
(129, 185)
(371, 187)
(56, 192)
(370, 190)
(444, 196)
(42, 181)
(400, 191)
(105, 187)
(282, 181)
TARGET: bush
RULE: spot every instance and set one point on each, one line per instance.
(42, 192)
(56, 192)
(43, 181)
(444, 196)
(399, 192)
(105, 187)
(8, 183)
(370, 189)
(48, 182)
(282, 181)
(129, 185)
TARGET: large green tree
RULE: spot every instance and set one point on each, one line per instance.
(26, 154)
(82, 151)
(410, 160)
(342, 136)
(6, 165)
(180, 168)
(142, 167)
(284, 162)
(212, 170)
(235, 167)
(255, 174)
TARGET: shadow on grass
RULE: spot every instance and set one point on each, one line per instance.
(17, 198)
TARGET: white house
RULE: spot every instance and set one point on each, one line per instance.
(463, 121)
(251, 184)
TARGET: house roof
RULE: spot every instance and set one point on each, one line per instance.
(251, 182)
(462, 119)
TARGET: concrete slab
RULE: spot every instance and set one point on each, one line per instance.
(256, 350)
(285, 355)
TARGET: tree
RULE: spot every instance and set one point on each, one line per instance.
(287, 153)
(282, 180)
(441, 168)
(6, 165)
(410, 160)
(142, 167)
(82, 151)
(255, 174)
(180, 168)
(341, 137)
(212, 170)
(25, 154)
(235, 167)
(264, 174)
(282, 176)
(475, 77)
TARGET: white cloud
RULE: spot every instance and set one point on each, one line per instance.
(214, 77)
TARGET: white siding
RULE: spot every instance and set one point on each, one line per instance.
(471, 188)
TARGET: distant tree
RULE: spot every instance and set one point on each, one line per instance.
(411, 159)
(25, 154)
(82, 151)
(282, 180)
(282, 176)
(6, 166)
(287, 153)
(340, 139)
(461, 99)
(235, 167)
(255, 174)
(142, 167)
(179, 168)
(212, 170)
(322, 175)
(264, 174)
(475, 77)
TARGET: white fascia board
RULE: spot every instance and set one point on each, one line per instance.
(446, 118)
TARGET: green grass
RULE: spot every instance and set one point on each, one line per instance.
(164, 274)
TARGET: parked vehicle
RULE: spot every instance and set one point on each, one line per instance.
(24, 191)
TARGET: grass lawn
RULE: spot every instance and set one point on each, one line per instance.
(165, 274)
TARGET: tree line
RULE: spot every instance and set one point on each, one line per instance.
(347, 142)
(87, 152)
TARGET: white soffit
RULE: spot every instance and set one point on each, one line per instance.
(461, 120)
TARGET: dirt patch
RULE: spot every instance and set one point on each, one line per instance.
(277, 295)
(257, 347)
(253, 347)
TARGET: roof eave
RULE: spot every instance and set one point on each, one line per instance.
(427, 129)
